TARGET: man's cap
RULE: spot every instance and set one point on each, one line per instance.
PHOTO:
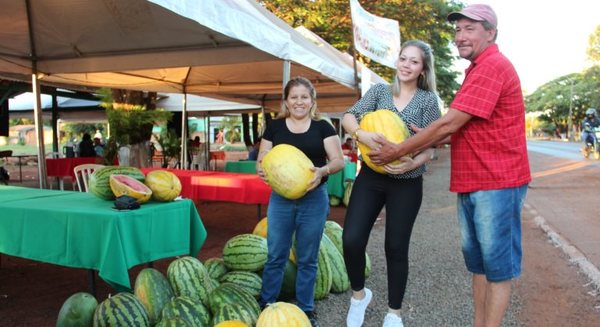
(476, 12)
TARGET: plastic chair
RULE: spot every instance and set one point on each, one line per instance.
(82, 174)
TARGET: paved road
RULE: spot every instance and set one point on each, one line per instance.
(565, 192)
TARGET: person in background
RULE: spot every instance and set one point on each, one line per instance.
(220, 137)
(253, 154)
(86, 146)
(590, 121)
(98, 147)
(412, 97)
(489, 164)
(299, 124)
(349, 150)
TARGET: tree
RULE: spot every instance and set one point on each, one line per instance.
(231, 125)
(593, 50)
(553, 99)
(425, 20)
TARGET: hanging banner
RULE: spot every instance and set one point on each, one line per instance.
(375, 37)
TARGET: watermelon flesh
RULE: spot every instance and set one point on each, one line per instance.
(127, 185)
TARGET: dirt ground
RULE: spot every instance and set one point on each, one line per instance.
(552, 291)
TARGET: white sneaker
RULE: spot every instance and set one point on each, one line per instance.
(356, 313)
(392, 320)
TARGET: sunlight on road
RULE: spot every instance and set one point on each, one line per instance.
(566, 168)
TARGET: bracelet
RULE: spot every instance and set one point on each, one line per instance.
(355, 134)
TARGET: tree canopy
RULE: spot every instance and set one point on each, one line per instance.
(553, 99)
(424, 20)
(593, 50)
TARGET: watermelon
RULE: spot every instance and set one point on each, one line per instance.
(77, 310)
(288, 287)
(154, 291)
(188, 277)
(229, 293)
(99, 180)
(245, 252)
(248, 280)
(216, 268)
(334, 201)
(347, 191)
(165, 185)
(288, 171)
(340, 282)
(129, 186)
(234, 311)
(122, 309)
(192, 311)
(324, 274)
(334, 231)
(174, 322)
(282, 314)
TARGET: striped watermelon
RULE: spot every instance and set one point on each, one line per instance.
(245, 252)
(288, 287)
(154, 291)
(188, 277)
(173, 322)
(234, 311)
(192, 311)
(340, 282)
(123, 309)
(324, 274)
(334, 231)
(216, 268)
(248, 280)
(229, 293)
(99, 179)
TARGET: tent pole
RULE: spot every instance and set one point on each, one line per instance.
(207, 150)
(183, 161)
(39, 128)
(287, 70)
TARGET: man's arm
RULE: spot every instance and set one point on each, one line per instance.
(438, 131)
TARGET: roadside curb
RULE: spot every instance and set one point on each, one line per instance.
(575, 256)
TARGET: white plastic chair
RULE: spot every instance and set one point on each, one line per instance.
(82, 175)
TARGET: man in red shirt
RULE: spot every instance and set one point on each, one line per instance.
(490, 169)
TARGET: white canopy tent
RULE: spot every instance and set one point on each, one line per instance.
(231, 49)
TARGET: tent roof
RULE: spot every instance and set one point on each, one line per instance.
(200, 47)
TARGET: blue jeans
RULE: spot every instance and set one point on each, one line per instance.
(306, 218)
(490, 225)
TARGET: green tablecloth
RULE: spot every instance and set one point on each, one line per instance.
(243, 166)
(79, 230)
(335, 182)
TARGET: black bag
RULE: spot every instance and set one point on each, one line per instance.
(125, 202)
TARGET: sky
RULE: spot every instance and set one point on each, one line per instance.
(544, 39)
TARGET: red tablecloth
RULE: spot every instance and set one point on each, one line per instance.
(63, 167)
(221, 186)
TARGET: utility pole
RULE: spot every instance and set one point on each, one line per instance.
(569, 120)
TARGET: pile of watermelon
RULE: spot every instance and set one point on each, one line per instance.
(114, 181)
(218, 291)
(334, 201)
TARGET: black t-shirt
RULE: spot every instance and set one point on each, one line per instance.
(309, 142)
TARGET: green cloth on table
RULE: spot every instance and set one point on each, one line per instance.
(242, 166)
(79, 230)
(335, 182)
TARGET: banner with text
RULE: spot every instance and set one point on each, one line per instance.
(375, 37)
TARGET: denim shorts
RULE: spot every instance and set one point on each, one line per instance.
(490, 225)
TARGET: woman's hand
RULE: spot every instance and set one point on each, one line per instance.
(316, 180)
(370, 139)
(260, 171)
(404, 165)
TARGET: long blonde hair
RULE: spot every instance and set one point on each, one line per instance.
(426, 80)
(297, 81)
